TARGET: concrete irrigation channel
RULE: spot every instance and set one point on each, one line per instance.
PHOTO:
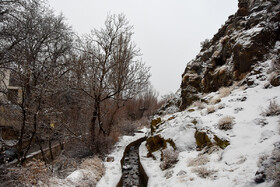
(133, 173)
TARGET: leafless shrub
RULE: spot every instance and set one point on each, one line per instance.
(200, 160)
(169, 158)
(128, 127)
(269, 168)
(34, 173)
(210, 109)
(94, 164)
(226, 123)
(203, 172)
(205, 44)
(273, 109)
(88, 173)
(77, 150)
(144, 122)
(273, 171)
(10, 177)
(64, 165)
(262, 158)
(104, 144)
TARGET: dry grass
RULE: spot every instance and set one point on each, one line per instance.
(243, 87)
(224, 91)
(210, 109)
(169, 158)
(104, 144)
(64, 165)
(262, 158)
(273, 109)
(273, 171)
(226, 123)
(89, 173)
(33, 174)
(94, 164)
(199, 105)
(36, 171)
(128, 128)
(221, 106)
(200, 160)
(143, 122)
(215, 100)
(269, 168)
(203, 172)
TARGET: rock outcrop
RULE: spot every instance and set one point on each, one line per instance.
(231, 54)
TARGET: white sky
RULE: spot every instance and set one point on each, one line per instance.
(168, 32)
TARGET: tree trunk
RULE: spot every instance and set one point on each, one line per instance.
(31, 139)
(50, 148)
(61, 144)
(20, 141)
(42, 150)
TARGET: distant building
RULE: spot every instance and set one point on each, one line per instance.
(9, 122)
(9, 88)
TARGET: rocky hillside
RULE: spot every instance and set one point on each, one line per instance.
(245, 40)
(227, 131)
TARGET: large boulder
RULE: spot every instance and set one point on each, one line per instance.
(203, 140)
(156, 143)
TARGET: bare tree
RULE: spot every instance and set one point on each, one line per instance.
(35, 52)
(113, 71)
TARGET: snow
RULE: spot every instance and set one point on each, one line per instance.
(75, 176)
(244, 38)
(88, 175)
(252, 135)
(113, 170)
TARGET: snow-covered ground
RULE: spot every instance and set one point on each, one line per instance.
(113, 170)
(91, 170)
(252, 136)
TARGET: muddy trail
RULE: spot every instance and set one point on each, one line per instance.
(132, 171)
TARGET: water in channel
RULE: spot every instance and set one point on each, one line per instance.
(131, 174)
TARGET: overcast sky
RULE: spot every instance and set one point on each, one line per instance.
(168, 32)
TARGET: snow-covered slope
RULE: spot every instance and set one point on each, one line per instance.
(227, 132)
(253, 135)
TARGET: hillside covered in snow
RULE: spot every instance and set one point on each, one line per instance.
(226, 128)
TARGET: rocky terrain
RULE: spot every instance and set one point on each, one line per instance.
(246, 40)
(226, 129)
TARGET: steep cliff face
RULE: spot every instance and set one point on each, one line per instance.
(241, 43)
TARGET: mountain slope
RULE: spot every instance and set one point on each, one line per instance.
(243, 41)
(227, 130)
